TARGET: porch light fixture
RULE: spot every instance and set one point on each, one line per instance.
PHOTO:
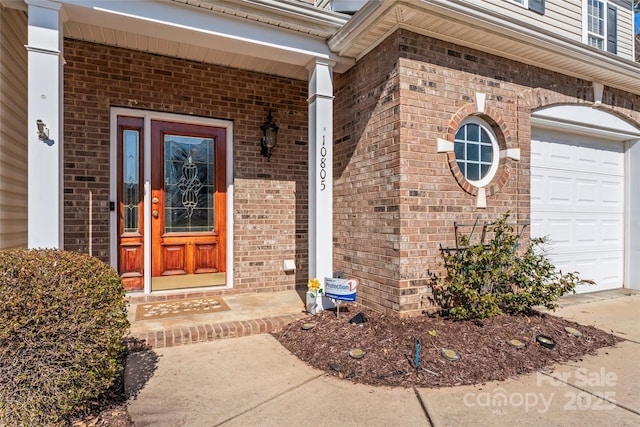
(43, 131)
(269, 136)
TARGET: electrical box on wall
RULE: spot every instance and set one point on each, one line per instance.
(289, 265)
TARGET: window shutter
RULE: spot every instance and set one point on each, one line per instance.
(612, 27)
(537, 6)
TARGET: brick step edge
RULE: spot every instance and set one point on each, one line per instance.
(209, 332)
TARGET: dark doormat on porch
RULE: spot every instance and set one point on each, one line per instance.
(185, 307)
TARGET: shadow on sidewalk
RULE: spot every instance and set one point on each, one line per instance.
(142, 363)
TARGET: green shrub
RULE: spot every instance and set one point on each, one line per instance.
(62, 324)
(485, 280)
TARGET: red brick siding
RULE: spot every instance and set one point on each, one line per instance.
(396, 196)
(270, 204)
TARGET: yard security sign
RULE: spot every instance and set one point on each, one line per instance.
(340, 289)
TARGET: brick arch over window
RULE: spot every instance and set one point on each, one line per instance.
(504, 140)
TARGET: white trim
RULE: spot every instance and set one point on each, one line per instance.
(522, 3)
(511, 153)
(494, 145)
(631, 275)
(598, 89)
(154, 115)
(481, 201)
(480, 101)
(45, 95)
(146, 160)
(320, 169)
(444, 146)
(605, 28)
(44, 4)
(586, 120)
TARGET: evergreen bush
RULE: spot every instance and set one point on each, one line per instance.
(62, 323)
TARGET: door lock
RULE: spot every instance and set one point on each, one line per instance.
(155, 213)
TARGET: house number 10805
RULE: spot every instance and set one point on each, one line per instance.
(323, 166)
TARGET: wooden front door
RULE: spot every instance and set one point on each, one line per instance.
(188, 205)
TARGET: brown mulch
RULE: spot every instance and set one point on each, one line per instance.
(389, 346)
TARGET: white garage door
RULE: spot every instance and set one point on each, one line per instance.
(577, 196)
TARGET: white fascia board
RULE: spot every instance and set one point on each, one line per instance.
(190, 25)
(301, 10)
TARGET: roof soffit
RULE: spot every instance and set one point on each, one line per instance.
(272, 36)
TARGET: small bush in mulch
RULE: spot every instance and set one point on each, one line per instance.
(62, 322)
(486, 280)
(388, 343)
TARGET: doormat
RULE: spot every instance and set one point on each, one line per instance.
(184, 307)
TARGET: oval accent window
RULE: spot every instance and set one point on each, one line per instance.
(477, 151)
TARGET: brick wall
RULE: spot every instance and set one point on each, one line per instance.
(367, 168)
(270, 204)
(396, 197)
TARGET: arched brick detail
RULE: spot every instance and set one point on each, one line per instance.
(503, 135)
(533, 99)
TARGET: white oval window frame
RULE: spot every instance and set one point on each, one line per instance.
(494, 145)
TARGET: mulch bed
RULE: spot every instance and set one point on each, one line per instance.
(389, 346)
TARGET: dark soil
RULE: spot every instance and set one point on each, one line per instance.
(389, 345)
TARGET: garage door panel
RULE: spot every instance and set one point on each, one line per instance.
(586, 191)
(604, 268)
(554, 188)
(612, 193)
(579, 229)
(582, 154)
(611, 232)
(561, 231)
(559, 190)
(577, 200)
(586, 233)
(536, 189)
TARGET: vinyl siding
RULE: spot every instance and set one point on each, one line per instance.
(13, 129)
(564, 18)
(625, 30)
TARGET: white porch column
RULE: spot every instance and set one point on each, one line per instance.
(45, 172)
(320, 169)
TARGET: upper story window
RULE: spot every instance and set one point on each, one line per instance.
(601, 25)
(477, 151)
(534, 5)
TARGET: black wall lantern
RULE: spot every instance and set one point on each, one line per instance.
(269, 136)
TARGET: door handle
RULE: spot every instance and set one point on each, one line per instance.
(154, 213)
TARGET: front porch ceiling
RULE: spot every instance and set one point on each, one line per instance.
(271, 37)
(470, 24)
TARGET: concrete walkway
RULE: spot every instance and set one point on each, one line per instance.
(254, 381)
